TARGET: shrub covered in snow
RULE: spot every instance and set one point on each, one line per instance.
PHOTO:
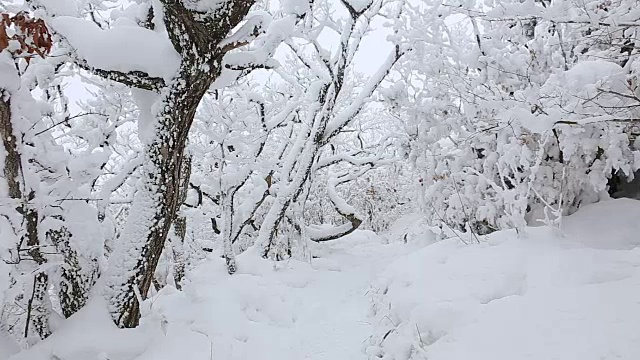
(527, 118)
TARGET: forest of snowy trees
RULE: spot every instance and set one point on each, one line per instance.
(141, 137)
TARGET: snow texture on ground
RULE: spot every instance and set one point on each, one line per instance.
(547, 295)
(267, 310)
(569, 295)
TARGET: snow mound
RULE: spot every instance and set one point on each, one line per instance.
(125, 47)
(591, 73)
(209, 6)
(90, 334)
(9, 78)
(613, 224)
(549, 295)
(411, 228)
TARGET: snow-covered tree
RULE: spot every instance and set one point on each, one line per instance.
(332, 100)
(518, 111)
(48, 238)
(176, 51)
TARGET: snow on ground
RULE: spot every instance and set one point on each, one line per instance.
(411, 228)
(285, 310)
(7, 347)
(546, 295)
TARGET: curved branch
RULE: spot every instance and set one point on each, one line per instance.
(340, 205)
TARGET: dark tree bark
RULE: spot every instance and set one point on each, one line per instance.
(195, 36)
(180, 227)
(76, 277)
(37, 307)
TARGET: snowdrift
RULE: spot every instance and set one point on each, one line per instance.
(548, 294)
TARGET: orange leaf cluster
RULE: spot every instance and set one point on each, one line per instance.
(32, 35)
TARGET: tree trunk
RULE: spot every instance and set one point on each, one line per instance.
(177, 245)
(133, 263)
(37, 306)
(196, 37)
(180, 227)
(76, 277)
(228, 213)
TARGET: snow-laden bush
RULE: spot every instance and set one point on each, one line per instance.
(513, 117)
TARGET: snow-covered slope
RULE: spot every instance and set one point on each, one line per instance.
(289, 310)
(547, 295)
(569, 295)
